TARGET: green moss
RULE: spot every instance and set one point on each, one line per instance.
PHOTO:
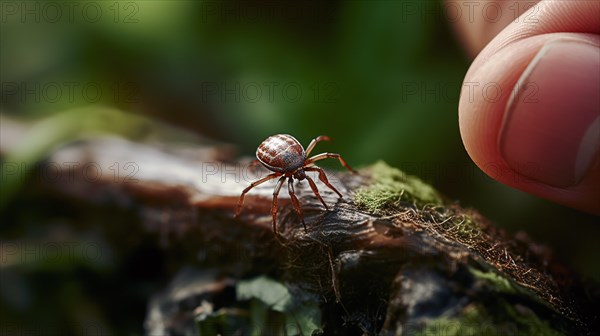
(475, 320)
(464, 227)
(498, 282)
(504, 318)
(532, 324)
(501, 319)
(471, 321)
(390, 186)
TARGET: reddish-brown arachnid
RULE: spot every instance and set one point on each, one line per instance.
(287, 159)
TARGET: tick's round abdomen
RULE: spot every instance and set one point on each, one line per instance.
(281, 153)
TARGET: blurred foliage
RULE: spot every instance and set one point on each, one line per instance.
(49, 133)
(381, 78)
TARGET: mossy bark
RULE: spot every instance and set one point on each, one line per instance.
(391, 257)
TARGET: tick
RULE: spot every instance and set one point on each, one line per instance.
(286, 158)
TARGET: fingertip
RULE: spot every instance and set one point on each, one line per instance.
(529, 117)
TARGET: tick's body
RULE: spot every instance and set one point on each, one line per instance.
(281, 153)
(286, 157)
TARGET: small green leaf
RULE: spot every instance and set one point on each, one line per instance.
(298, 318)
(307, 318)
(272, 293)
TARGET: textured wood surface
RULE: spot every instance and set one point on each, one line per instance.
(380, 273)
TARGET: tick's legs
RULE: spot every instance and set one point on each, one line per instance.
(295, 201)
(313, 186)
(327, 156)
(252, 185)
(323, 178)
(274, 206)
(314, 142)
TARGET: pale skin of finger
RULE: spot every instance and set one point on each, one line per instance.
(502, 62)
(478, 22)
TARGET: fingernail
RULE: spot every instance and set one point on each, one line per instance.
(551, 128)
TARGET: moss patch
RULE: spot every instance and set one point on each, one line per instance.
(390, 186)
(530, 323)
(471, 321)
(417, 206)
(503, 318)
(498, 282)
(464, 228)
(476, 320)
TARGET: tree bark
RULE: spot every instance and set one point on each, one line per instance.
(407, 268)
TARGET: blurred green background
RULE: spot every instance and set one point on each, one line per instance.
(382, 78)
